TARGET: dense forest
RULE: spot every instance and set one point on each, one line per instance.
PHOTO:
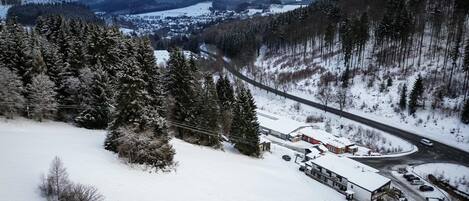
(374, 39)
(95, 77)
(27, 14)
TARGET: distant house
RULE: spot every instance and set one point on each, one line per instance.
(356, 180)
(280, 127)
(334, 144)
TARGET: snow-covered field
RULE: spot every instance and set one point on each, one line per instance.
(27, 148)
(198, 9)
(457, 175)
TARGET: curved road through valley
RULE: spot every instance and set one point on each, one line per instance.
(438, 153)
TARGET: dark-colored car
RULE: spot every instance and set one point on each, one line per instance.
(410, 178)
(302, 168)
(286, 157)
(424, 188)
(408, 175)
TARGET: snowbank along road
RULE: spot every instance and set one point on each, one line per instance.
(439, 152)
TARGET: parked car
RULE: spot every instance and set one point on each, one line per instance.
(417, 182)
(286, 157)
(426, 142)
(413, 179)
(410, 178)
(408, 175)
(424, 188)
(302, 168)
(402, 171)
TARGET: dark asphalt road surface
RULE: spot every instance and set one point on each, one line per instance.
(438, 153)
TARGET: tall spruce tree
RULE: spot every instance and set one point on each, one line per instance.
(182, 87)
(210, 112)
(415, 95)
(138, 132)
(403, 99)
(96, 114)
(226, 100)
(245, 128)
(465, 113)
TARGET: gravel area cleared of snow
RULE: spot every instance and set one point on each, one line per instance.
(28, 147)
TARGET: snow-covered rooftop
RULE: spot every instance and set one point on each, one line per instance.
(355, 172)
(325, 137)
(280, 124)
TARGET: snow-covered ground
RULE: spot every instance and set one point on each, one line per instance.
(456, 175)
(162, 56)
(27, 148)
(195, 10)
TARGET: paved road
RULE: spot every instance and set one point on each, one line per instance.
(438, 153)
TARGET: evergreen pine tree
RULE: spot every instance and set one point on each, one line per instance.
(41, 98)
(403, 99)
(345, 77)
(138, 132)
(210, 112)
(415, 95)
(11, 93)
(245, 128)
(465, 113)
(226, 100)
(97, 102)
(225, 93)
(182, 86)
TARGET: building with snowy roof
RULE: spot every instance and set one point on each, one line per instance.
(354, 179)
(277, 126)
(334, 144)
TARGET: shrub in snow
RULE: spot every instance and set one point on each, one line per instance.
(11, 98)
(57, 187)
(144, 148)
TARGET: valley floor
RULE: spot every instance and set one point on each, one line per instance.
(28, 147)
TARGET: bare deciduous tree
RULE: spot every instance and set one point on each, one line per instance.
(57, 187)
(325, 94)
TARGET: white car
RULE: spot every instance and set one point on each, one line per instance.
(426, 142)
(417, 182)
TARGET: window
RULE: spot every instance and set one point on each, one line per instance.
(340, 178)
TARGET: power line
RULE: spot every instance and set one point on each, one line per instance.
(182, 125)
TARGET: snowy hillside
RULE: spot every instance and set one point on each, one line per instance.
(202, 173)
(190, 11)
(303, 75)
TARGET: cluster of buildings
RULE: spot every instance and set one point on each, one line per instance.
(295, 131)
(322, 159)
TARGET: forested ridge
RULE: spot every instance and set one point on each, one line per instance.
(379, 40)
(27, 14)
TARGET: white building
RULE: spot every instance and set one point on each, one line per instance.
(352, 178)
(277, 126)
